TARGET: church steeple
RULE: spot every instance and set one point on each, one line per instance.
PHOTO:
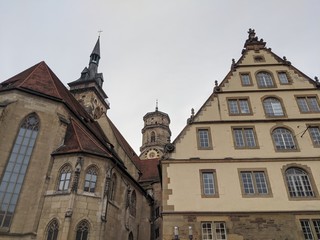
(88, 88)
(95, 55)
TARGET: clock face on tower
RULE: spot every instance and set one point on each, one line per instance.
(153, 153)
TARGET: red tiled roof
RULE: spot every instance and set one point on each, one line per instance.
(40, 79)
(77, 139)
(149, 169)
(124, 144)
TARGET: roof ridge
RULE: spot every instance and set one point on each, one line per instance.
(100, 146)
(35, 68)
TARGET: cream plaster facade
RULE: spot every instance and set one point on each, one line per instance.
(273, 215)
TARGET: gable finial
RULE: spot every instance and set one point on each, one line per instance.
(253, 42)
(252, 33)
(157, 105)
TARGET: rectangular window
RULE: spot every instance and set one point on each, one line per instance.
(219, 232)
(316, 225)
(208, 180)
(306, 229)
(204, 138)
(239, 106)
(283, 78)
(308, 104)
(245, 79)
(315, 135)
(254, 183)
(244, 137)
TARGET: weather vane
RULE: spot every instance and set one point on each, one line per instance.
(99, 32)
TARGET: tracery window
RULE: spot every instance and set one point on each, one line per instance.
(16, 168)
(113, 186)
(283, 139)
(82, 230)
(272, 107)
(64, 178)
(53, 230)
(90, 180)
(298, 183)
(133, 203)
(130, 236)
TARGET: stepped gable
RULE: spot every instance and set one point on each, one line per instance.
(77, 140)
(125, 145)
(149, 169)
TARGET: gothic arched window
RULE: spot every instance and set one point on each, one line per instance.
(113, 186)
(298, 183)
(53, 230)
(64, 178)
(82, 230)
(133, 203)
(153, 136)
(90, 180)
(283, 139)
(16, 168)
(272, 107)
(130, 236)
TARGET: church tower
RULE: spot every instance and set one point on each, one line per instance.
(88, 88)
(155, 134)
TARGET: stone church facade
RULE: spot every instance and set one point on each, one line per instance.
(66, 170)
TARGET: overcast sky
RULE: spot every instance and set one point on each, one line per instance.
(170, 50)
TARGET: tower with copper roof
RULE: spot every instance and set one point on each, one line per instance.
(155, 134)
(88, 88)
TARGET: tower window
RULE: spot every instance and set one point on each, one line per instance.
(153, 137)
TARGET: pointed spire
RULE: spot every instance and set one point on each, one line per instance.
(96, 49)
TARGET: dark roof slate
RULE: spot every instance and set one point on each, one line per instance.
(77, 139)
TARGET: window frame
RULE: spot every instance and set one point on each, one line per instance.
(296, 149)
(84, 224)
(215, 183)
(210, 145)
(268, 115)
(90, 181)
(306, 97)
(259, 58)
(54, 222)
(249, 76)
(16, 167)
(64, 166)
(256, 194)
(265, 86)
(243, 128)
(313, 140)
(238, 99)
(287, 76)
(213, 231)
(312, 183)
(314, 228)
